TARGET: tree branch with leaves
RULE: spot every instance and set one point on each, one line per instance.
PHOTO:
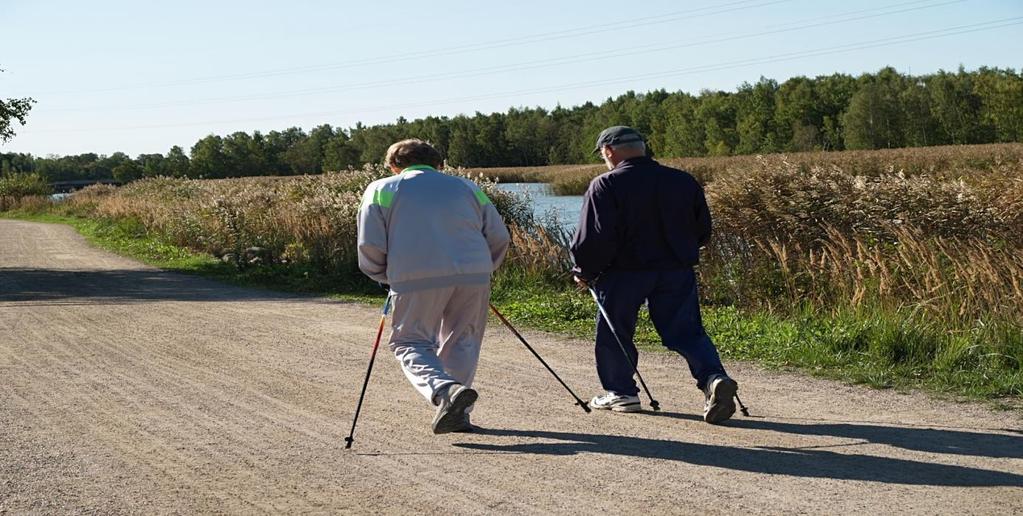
(10, 110)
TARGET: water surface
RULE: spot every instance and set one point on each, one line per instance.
(565, 208)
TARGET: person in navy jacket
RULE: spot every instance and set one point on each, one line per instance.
(638, 238)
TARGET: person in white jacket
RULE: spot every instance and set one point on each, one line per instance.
(435, 239)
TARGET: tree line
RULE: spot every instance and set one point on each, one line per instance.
(886, 109)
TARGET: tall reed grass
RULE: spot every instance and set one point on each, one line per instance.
(917, 261)
(303, 221)
(943, 245)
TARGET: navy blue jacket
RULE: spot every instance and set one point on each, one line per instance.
(640, 216)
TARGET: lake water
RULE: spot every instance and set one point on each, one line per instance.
(565, 207)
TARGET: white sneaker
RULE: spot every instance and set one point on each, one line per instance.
(720, 404)
(616, 402)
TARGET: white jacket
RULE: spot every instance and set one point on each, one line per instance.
(424, 229)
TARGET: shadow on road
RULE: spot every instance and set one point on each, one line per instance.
(814, 463)
(50, 286)
(930, 440)
(924, 439)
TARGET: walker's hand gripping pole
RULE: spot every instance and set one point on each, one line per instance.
(578, 401)
(607, 319)
(372, 357)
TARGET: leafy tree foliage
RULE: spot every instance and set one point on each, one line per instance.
(11, 110)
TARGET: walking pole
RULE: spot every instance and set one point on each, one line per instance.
(578, 401)
(745, 411)
(653, 403)
(372, 357)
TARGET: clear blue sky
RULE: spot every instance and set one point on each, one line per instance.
(143, 76)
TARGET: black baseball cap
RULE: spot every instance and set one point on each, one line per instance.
(617, 135)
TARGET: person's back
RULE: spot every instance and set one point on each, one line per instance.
(664, 217)
(435, 239)
(641, 216)
(437, 229)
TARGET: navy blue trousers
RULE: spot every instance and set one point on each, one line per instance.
(674, 307)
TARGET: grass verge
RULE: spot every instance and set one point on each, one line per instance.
(882, 349)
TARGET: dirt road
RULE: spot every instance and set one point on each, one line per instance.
(126, 389)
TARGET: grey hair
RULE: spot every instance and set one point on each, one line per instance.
(638, 145)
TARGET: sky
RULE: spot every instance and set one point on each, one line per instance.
(140, 77)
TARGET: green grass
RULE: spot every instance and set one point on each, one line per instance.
(880, 348)
(875, 347)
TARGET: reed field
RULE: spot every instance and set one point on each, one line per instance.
(306, 223)
(899, 267)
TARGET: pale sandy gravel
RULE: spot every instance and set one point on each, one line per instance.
(126, 389)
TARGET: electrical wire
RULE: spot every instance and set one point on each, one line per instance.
(529, 65)
(907, 38)
(461, 49)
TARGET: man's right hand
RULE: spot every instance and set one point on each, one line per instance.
(581, 283)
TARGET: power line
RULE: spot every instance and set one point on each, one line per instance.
(894, 40)
(529, 65)
(846, 13)
(460, 49)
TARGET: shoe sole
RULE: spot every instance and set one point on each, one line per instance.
(451, 421)
(722, 401)
(629, 407)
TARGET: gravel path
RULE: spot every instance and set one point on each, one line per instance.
(126, 389)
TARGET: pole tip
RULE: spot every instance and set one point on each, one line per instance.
(654, 405)
(348, 442)
(584, 405)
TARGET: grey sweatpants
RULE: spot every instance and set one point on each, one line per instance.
(436, 335)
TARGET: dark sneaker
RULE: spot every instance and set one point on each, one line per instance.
(720, 392)
(466, 426)
(451, 412)
(616, 402)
